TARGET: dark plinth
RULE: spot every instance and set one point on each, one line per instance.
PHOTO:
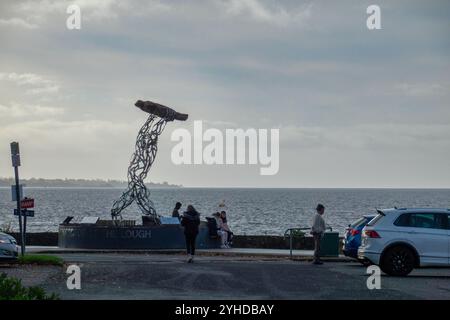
(81, 236)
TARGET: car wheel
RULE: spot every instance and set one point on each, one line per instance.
(398, 261)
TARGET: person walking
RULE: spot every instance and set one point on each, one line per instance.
(317, 231)
(190, 220)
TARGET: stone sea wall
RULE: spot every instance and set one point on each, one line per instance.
(240, 241)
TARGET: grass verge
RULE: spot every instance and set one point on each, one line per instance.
(40, 259)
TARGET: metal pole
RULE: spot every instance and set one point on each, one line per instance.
(290, 243)
(22, 236)
(24, 232)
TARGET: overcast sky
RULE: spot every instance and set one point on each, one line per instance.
(355, 108)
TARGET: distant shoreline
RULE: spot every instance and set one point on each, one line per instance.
(222, 188)
(120, 184)
(78, 183)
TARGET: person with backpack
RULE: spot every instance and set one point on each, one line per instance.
(190, 220)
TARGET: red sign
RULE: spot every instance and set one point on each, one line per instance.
(27, 203)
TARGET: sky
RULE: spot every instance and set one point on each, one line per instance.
(355, 107)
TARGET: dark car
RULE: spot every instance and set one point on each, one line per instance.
(352, 239)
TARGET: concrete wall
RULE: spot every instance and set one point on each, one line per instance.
(272, 242)
(38, 238)
(240, 241)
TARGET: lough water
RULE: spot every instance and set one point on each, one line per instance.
(250, 211)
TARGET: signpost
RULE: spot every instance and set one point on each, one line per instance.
(13, 192)
(24, 213)
(27, 203)
(15, 157)
(23, 204)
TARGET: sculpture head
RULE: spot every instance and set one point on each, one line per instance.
(160, 110)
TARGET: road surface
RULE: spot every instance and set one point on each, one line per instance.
(154, 276)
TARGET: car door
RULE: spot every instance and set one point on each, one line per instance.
(429, 234)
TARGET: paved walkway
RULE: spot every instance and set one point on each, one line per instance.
(269, 253)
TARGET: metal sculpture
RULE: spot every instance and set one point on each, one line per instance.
(144, 154)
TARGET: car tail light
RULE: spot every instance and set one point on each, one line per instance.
(354, 232)
(372, 234)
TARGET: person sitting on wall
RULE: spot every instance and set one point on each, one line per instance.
(220, 231)
(176, 212)
(226, 228)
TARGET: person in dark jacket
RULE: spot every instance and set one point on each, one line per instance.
(175, 212)
(190, 220)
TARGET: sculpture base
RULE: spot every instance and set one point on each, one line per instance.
(81, 236)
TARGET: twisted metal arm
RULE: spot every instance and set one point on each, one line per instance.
(143, 157)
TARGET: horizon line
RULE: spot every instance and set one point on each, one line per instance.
(178, 185)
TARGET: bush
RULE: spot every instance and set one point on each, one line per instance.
(12, 289)
(40, 259)
(6, 228)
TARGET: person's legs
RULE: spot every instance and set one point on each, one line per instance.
(223, 238)
(193, 238)
(188, 244)
(317, 238)
(229, 236)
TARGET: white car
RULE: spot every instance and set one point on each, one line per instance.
(8, 247)
(398, 240)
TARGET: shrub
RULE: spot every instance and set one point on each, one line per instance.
(12, 289)
(6, 228)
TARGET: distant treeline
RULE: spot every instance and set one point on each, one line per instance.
(77, 183)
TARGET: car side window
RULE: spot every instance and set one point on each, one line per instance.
(422, 220)
(441, 221)
(403, 220)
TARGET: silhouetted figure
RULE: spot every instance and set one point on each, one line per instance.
(176, 212)
(190, 221)
(317, 230)
(226, 228)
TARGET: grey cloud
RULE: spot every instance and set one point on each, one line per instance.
(18, 22)
(336, 90)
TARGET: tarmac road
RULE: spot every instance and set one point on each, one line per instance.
(141, 276)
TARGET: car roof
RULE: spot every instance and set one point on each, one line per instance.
(419, 210)
(2, 234)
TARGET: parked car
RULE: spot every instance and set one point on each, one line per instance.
(399, 240)
(8, 247)
(352, 239)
